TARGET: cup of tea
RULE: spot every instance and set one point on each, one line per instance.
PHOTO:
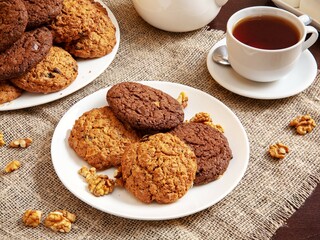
(265, 43)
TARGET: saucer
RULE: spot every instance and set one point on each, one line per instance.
(299, 79)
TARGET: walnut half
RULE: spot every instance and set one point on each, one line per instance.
(60, 221)
(32, 218)
(278, 150)
(303, 124)
(12, 166)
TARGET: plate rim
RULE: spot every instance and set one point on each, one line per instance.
(128, 216)
(10, 106)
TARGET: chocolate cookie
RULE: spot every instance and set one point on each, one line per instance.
(76, 20)
(100, 138)
(54, 73)
(98, 42)
(159, 168)
(42, 12)
(211, 148)
(144, 107)
(8, 92)
(13, 22)
(30, 49)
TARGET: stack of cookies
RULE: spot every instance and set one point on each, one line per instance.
(39, 41)
(143, 133)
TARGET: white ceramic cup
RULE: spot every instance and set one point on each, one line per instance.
(178, 15)
(263, 65)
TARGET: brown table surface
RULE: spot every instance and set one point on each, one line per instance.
(305, 222)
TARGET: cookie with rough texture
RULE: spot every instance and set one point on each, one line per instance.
(100, 138)
(25, 53)
(42, 12)
(13, 22)
(159, 168)
(54, 73)
(76, 20)
(211, 148)
(144, 107)
(98, 42)
(8, 92)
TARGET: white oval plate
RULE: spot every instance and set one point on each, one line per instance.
(88, 70)
(121, 203)
(299, 79)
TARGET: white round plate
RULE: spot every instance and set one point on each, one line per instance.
(301, 77)
(121, 203)
(88, 70)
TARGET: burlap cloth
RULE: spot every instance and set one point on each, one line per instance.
(268, 194)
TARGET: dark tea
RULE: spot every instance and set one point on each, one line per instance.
(266, 32)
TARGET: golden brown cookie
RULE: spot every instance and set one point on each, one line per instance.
(100, 138)
(159, 168)
(75, 21)
(8, 92)
(98, 42)
(54, 73)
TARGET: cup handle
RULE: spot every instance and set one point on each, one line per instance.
(305, 19)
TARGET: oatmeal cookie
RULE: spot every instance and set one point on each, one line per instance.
(211, 148)
(159, 168)
(8, 92)
(144, 107)
(97, 43)
(76, 20)
(13, 19)
(54, 73)
(42, 12)
(25, 53)
(100, 138)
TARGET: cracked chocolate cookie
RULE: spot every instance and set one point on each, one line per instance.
(54, 73)
(211, 148)
(42, 12)
(98, 42)
(8, 92)
(159, 168)
(100, 138)
(144, 108)
(13, 22)
(25, 53)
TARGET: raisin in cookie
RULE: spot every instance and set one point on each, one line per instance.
(144, 107)
(8, 92)
(211, 148)
(42, 12)
(25, 53)
(100, 138)
(13, 19)
(159, 168)
(98, 42)
(54, 73)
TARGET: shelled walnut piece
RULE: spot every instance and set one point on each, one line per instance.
(32, 218)
(278, 150)
(2, 142)
(60, 221)
(98, 185)
(183, 99)
(21, 142)
(12, 166)
(203, 117)
(303, 124)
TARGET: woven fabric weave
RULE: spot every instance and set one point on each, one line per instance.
(268, 194)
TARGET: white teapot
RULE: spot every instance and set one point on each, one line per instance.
(178, 15)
